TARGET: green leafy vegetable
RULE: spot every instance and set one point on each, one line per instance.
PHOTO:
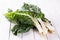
(30, 17)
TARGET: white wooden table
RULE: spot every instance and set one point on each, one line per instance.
(51, 9)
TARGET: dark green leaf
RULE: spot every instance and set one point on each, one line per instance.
(22, 28)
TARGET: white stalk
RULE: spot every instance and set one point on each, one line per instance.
(43, 26)
(50, 28)
(38, 26)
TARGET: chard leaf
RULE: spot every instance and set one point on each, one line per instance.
(30, 7)
(22, 28)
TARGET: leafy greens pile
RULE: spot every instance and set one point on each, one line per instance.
(29, 17)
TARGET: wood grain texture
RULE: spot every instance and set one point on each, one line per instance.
(28, 36)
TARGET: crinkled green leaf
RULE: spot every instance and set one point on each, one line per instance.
(22, 28)
(30, 7)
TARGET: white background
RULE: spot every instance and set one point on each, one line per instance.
(51, 9)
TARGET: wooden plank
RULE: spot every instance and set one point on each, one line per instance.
(38, 36)
(28, 35)
(57, 27)
(4, 28)
(53, 36)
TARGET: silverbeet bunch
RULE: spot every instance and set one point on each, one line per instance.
(29, 17)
